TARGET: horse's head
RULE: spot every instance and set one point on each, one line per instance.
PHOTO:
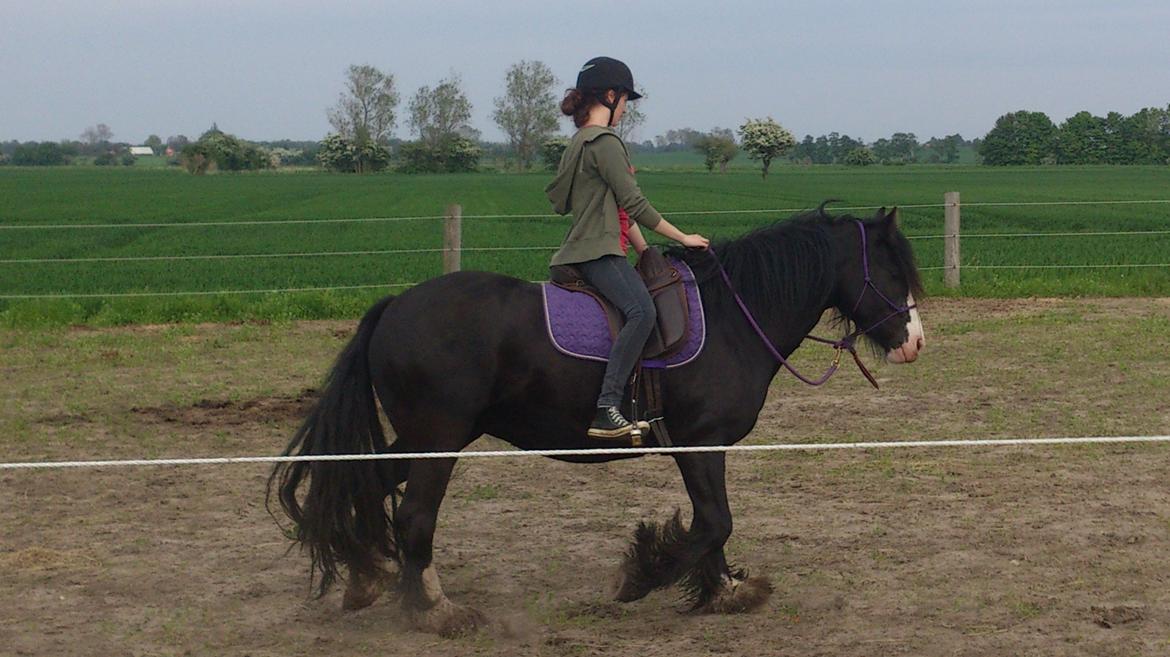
(878, 283)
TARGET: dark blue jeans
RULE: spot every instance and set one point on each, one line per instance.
(615, 277)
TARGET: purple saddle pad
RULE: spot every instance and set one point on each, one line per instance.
(577, 325)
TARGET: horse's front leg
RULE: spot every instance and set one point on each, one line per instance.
(663, 555)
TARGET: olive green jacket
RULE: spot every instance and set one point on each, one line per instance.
(595, 178)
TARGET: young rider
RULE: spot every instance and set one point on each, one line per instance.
(595, 182)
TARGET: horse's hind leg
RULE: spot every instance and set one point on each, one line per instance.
(423, 595)
(361, 592)
(415, 520)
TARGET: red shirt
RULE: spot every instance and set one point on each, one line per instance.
(624, 220)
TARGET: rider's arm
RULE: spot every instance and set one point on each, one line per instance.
(636, 238)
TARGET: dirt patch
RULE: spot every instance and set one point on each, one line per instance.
(1112, 616)
(227, 412)
(42, 559)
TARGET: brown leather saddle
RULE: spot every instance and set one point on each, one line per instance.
(666, 289)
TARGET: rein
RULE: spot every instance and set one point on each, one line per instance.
(847, 343)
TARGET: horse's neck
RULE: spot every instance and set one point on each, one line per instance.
(783, 336)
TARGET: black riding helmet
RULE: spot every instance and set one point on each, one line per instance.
(601, 74)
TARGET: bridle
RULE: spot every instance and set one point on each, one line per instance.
(847, 343)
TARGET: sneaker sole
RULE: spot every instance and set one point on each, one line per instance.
(610, 433)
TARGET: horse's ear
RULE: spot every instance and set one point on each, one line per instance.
(891, 218)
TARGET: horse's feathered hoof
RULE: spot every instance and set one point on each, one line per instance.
(363, 592)
(740, 596)
(449, 620)
(627, 587)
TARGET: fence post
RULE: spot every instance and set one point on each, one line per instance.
(452, 238)
(951, 241)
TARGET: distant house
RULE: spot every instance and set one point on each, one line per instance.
(141, 150)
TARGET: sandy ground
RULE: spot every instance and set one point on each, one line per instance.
(990, 551)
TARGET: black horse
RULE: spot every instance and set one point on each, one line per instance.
(467, 354)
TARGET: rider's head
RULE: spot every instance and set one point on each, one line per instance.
(602, 81)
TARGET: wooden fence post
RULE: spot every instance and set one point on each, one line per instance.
(951, 241)
(452, 238)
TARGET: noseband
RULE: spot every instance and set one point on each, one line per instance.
(847, 343)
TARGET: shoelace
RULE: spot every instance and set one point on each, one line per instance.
(616, 417)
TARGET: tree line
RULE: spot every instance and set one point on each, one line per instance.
(442, 139)
(1025, 137)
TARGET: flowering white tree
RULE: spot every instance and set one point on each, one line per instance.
(764, 139)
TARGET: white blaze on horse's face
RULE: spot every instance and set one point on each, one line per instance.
(915, 341)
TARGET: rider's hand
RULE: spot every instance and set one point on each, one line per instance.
(695, 241)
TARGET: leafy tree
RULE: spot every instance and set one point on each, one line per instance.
(438, 113)
(1145, 136)
(822, 150)
(718, 149)
(1021, 137)
(154, 142)
(196, 158)
(680, 139)
(340, 154)
(903, 145)
(459, 154)
(764, 140)
(859, 157)
(1081, 139)
(552, 150)
(365, 110)
(632, 119)
(898, 149)
(220, 150)
(44, 154)
(842, 145)
(946, 148)
(826, 149)
(453, 153)
(97, 134)
(528, 111)
(802, 152)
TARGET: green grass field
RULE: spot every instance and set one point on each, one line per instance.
(81, 195)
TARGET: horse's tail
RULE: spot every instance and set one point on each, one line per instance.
(341, 518)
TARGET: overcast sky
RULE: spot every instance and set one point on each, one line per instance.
(269, 69)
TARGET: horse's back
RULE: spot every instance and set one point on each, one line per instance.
(470, 305)
(459, 330)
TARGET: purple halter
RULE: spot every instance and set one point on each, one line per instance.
(846, 343)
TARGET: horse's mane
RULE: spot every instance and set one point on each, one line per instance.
(777, 269)
(904, 254)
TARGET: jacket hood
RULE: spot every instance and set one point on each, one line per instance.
(560, 190)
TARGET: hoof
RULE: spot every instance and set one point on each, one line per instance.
(740, 596)
(449, 620)
(627, 588)
(363, 592)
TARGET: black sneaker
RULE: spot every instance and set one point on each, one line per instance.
(609, 423)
